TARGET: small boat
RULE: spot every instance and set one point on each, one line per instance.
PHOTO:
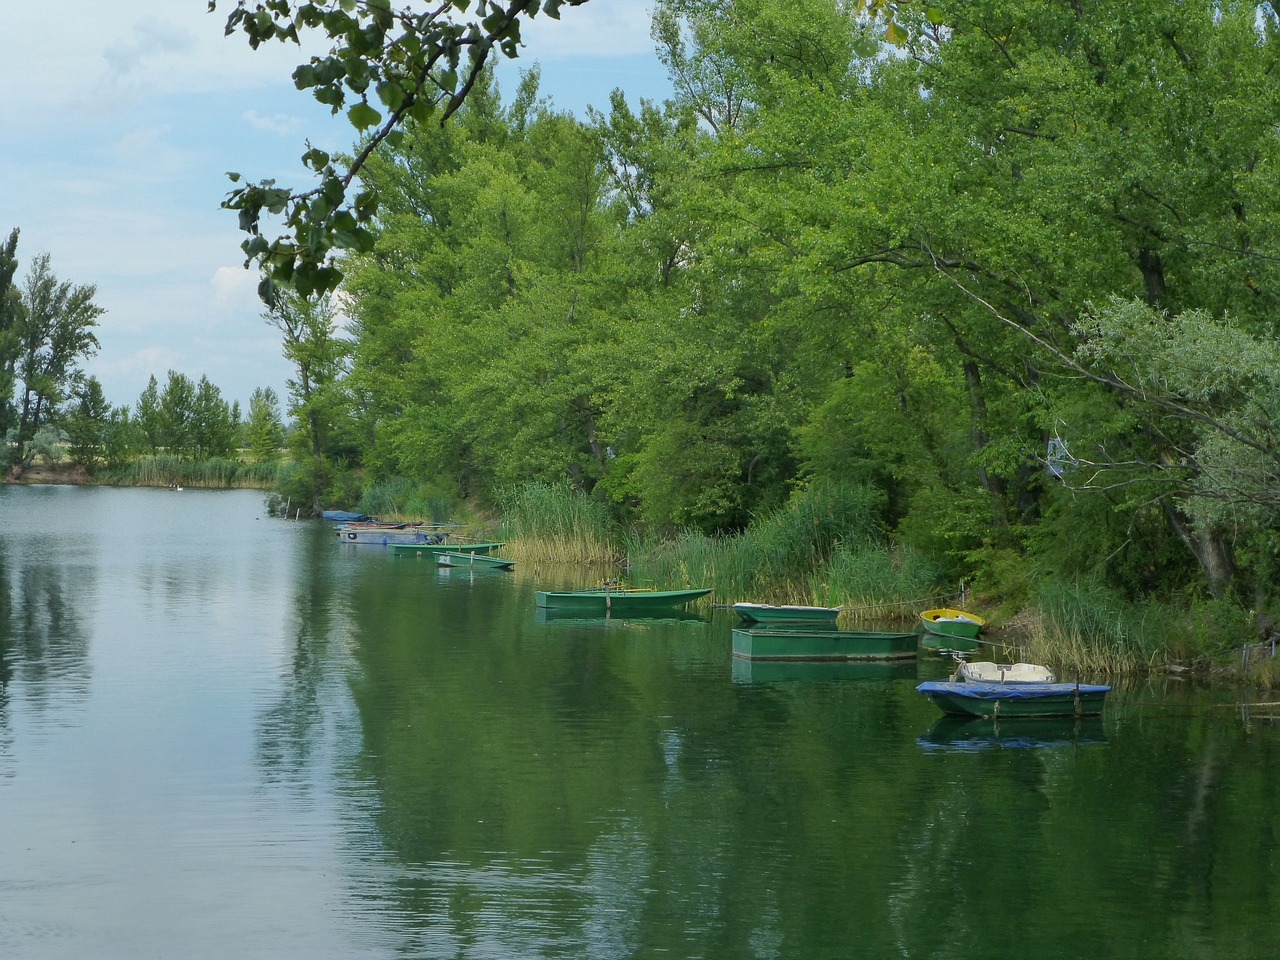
(946, 622)
(345, 516)
(428, 549)
(983, 671)
(800, 644)
(386, 534)
(768, 613)
(617, 600)
(1002, 700)
(472, 560)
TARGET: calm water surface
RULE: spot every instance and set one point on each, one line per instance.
(224, 735)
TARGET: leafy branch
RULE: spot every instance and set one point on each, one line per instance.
(384, 67)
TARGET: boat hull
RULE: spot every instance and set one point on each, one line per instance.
(436, 549)
(945, 622)
(1003, 700)
(780, 644)
(768, 613)
(473, 561)
(617, 602)
(385, 536)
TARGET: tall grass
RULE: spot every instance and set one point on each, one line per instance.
(166, 470)
(556, 524)
(824, 547)
(1086, 630)
(873, 581)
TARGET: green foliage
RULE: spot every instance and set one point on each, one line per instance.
(265, 431)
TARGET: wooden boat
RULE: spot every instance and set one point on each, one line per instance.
(983, 671)
(947, 622)
(472, 560)
(436, 549)
(819, 644)
(768, 613)
(617, 600)
(997, 700)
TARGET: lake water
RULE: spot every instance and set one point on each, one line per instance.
(224, 735)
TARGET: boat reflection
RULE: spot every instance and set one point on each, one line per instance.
(965, 735)
(783, 671)
(555, 615)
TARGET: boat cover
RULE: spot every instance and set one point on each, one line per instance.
(342, 516)
(1008, 691)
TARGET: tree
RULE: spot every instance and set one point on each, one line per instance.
(147, 419)
(412, 63)
(86, 422)
(318, 401)
(11, 316)
(54, 334)
(265, 430)
(177, 412)
(213, 426)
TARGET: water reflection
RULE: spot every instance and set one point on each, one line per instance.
(960, 734)
(305, 750)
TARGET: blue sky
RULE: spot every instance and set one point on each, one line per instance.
(119, 123)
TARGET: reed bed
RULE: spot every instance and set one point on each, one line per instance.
(1086, 631)
(166, 470)
(403, 499)
(554, 523)
(823, 548)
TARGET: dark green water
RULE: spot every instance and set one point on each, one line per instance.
(228, 736)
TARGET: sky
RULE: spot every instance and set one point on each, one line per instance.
(120, 121)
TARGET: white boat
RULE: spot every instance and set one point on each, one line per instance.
(984, 671)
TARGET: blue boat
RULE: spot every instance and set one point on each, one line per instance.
(1003, 700)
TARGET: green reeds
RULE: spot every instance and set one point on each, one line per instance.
(1085, 630)
(824, 547)
(166, 470)
(556, 524)
(876, 582)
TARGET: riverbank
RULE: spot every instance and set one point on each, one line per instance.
(57, 473)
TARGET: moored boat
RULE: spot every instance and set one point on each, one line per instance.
(948, 622)
(436, 549)
(800, 644)
(769, 613)
(997, 700)
(472, 560)
(617, 600)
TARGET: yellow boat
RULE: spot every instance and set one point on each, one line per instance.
(948, 622)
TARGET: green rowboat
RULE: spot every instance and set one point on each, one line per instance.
(768, 613)
(473, 560)
(617, 600)
(946, 622)
(799, 644)
(436, 549)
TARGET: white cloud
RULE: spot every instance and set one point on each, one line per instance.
(235, 286)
